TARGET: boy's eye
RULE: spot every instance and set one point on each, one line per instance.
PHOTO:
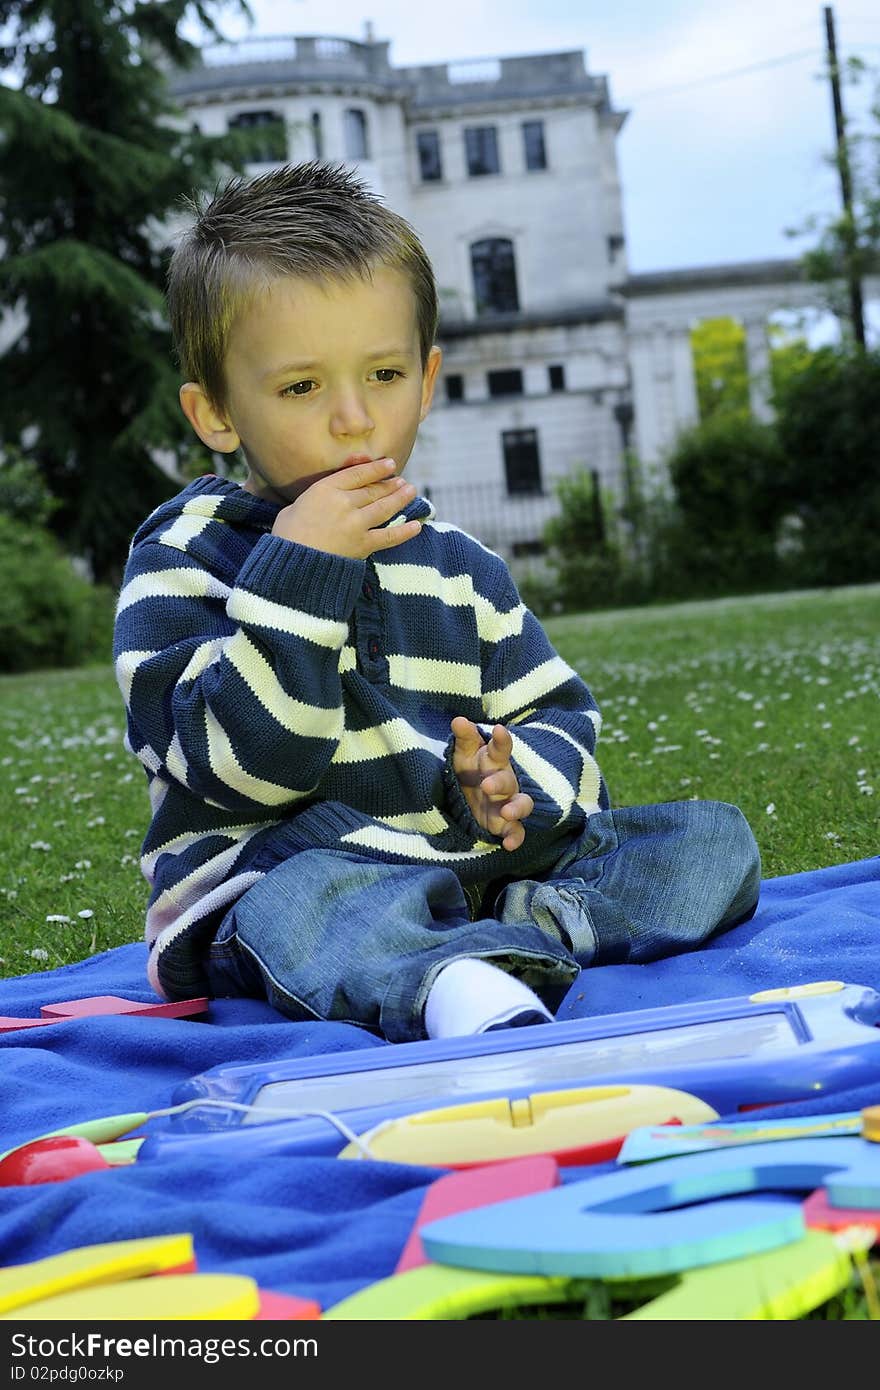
(386, 374)
(298, 388)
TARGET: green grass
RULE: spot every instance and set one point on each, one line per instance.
(769, 702)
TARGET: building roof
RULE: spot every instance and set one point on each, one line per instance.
(266, 66)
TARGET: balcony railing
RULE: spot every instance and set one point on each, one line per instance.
(285, 48)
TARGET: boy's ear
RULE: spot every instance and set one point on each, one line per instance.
(209, 424)
(429, 380)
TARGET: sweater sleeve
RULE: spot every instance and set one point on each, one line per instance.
(549, 711)
(234, 691)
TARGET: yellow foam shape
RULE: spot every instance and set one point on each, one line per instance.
(120, 1152)
(777, 1285)
(767, 996)
(545, 1122)
(871, 1124)
(99, 1131)
(174, 1297)
(91, 1264)
(781, 1284)
(447, 1293)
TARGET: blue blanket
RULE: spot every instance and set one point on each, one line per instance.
(315, 1226)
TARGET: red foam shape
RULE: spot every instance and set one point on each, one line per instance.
(187, 1267)
(114, 1004)
(285, 1307)
(10, 1024)
(477, 1187)
(820, 1215)
(580, 1156)
(53, 1159)
(106, 1004)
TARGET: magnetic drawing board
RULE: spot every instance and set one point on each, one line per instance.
(772, 1047)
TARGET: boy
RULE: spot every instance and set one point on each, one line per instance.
(374, 797)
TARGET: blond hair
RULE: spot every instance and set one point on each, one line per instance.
(313, 220)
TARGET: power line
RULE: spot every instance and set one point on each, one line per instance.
(726, 76)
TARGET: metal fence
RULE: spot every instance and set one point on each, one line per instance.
(509, 524)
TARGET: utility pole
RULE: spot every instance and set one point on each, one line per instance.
(856, 305)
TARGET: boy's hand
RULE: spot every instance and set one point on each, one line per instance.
(489, 782)
(340, 512)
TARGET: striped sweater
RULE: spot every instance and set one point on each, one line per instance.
(281, 698)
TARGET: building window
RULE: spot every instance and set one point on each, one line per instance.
(428, 145)
(615, 246)
(481, 149)
(557, 378)
(533, 142)
(522, 464)
(494, 272)
(623, 414)
(455, 387)
(268, 142)
(508, 382)
(355, 134)
(317, 135)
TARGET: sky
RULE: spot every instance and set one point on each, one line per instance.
(730, 124)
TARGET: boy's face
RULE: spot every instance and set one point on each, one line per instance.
(319, 376)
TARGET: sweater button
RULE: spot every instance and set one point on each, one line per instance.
(373, 647)
(367, 589)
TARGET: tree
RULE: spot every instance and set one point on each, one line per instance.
(718, 347)
(790, 354)
(848, 243)
(828, 423)
(93, 167)
(730, 477)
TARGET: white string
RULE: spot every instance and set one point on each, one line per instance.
(327, 1115)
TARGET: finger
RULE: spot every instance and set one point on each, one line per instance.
(518, 808)
(389, 536)
(500, 746)
(514, 837)
(362, 474)
(372, 494)
(498, 786)
(468, 739)
(382, 501)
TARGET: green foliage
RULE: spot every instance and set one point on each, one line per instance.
(718, 347)
(789, 356)
(23, 493)
(828, 423)
(729, 476)
(93, 168)
(587, 563)
(50, 616)
(753, 506)
(716, 534)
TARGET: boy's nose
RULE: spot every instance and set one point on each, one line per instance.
(350, 417)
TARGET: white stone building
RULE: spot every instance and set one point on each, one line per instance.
(556, 360)
(508, 172)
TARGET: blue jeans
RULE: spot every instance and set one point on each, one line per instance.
(332, 935)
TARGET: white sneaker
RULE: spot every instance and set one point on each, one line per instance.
(472, 996)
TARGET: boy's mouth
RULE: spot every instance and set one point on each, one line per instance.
(356, 458)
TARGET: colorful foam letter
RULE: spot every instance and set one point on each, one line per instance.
(640, 1221)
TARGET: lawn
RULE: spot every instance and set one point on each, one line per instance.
(770, 702)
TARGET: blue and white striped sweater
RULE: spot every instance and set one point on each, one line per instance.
(281, 698)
